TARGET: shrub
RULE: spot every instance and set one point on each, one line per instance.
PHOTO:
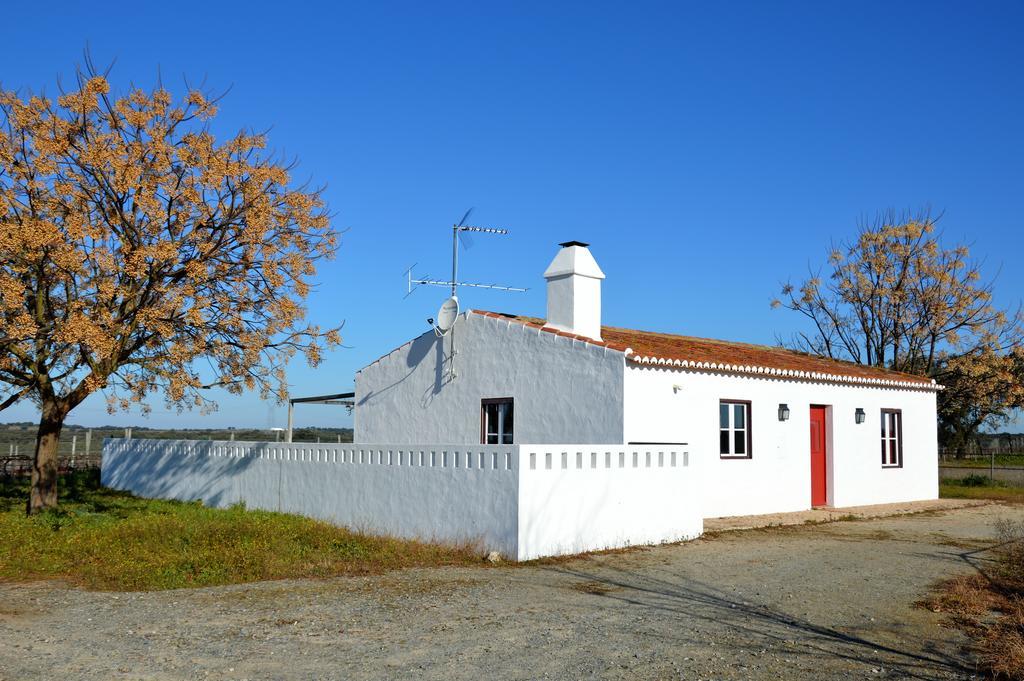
(989, 606)
(1010, 553)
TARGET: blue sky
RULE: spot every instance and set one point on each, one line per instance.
(706, 151)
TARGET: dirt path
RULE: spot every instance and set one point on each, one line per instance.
(811, 602)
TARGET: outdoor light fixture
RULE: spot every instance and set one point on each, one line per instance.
(859, 416)
(783, 412)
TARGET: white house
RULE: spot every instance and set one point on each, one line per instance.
(770, 429)
(536, 437)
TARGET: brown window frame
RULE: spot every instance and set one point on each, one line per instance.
(898, 438)
(749, 429)
(484, 403)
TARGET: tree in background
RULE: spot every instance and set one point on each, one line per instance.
(139, 255)
(895, 297)
(982, 388)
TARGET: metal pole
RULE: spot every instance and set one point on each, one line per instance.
(455, 256)
(451, 358)
(74, 446)
(992, 466)
(88, 442)
(290, 408)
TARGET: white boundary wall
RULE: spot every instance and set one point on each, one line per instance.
(525, 501)
(575, 498)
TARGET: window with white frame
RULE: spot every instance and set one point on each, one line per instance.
(892, 438)
(496, 421)
(734, 429)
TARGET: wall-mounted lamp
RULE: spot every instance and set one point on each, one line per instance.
(783, 412)
(859, 416)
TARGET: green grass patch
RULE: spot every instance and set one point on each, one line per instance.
(108, 540)
(980, 487)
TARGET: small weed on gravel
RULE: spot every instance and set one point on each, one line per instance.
(595, 588)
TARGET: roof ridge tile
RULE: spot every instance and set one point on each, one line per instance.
(663, 349)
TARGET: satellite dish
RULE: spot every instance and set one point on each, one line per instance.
(447, 314)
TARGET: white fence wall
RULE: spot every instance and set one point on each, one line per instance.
(436, 493)
(524, 501)
(575, 498)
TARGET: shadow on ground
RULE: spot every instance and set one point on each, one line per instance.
(759, 626)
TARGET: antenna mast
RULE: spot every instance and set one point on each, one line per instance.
(455, 254)
(449, 310)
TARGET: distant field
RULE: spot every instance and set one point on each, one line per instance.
(1012, 460)
(21, 437)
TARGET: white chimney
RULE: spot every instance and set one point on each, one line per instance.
(574, 291)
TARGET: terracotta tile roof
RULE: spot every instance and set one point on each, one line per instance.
(687, 352)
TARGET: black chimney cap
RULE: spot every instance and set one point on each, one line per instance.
(573, 243)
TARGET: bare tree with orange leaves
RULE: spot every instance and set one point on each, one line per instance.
(139, 255)
(895, 297)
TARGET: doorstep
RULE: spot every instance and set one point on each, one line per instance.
(826, 515)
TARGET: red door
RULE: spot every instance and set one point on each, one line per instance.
(819, 495)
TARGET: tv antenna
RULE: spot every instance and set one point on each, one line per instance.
(449, 311)
(460, 233)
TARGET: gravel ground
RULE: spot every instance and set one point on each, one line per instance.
(805, 602)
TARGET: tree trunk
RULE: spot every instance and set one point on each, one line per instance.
(43, 494)
(960, 443)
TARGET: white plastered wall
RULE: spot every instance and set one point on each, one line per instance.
(565, 390)
(524, 501)
(575, 498)
(433, 492)
(663, 405)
